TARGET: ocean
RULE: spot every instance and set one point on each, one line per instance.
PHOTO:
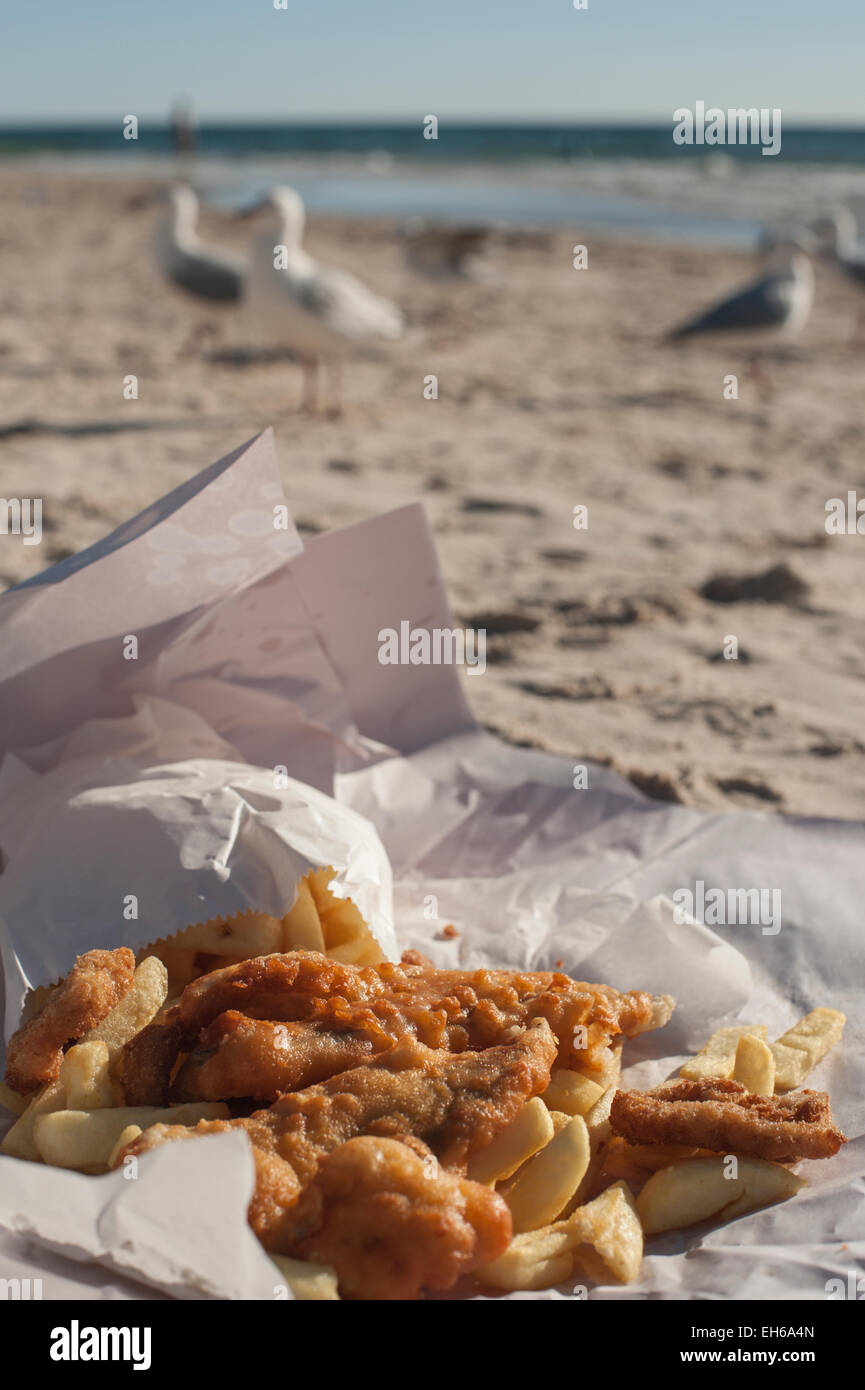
(628, 179)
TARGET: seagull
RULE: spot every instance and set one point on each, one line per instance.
(321, 314)
(774, 306)
(838, 234)
(783, 233)
(441, 252)
(187, 261)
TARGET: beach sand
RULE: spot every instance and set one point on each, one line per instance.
(554, 391)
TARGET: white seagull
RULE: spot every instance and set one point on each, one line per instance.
(321, 315)
(838, 233)
(775, 306)
(188, 262)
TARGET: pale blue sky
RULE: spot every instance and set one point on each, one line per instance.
(506, 59)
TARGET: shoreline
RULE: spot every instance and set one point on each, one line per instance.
(689, 203)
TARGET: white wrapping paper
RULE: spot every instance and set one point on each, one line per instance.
(278, 664)
(139, 850)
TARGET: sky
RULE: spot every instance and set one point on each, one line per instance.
(500, 59)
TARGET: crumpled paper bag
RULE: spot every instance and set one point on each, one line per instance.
(105, 849)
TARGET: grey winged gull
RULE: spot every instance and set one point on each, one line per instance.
(774, 307)
(322, 315)
(776, 304)
(187, 261)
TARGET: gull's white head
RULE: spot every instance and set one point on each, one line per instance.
(287, 205)
(792, 252)
(286, 214)
(836, 230)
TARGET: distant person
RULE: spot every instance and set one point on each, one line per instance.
(184, 137)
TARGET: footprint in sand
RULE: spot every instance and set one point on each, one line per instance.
(779, 584)
(748, 789)
(558, 556)
(585, 688)
(498, 504)
(660, 786)
(719, 715)
(675, 467)
(832, 744)
(504, 623)
(618, 610)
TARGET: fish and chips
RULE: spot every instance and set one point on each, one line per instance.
(411, 1127)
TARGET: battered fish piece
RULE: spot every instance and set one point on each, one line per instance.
(240, 1056)
(392, 1222)
(724, 1116)
(148, 1059)
(96, 982)
(458, 1009)
(455, 1104)
(453, 1009)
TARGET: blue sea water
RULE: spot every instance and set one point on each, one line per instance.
(634, 180)
(460, 142)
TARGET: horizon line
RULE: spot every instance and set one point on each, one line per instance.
(163, 120)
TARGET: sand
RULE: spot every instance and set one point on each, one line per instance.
(554, 391)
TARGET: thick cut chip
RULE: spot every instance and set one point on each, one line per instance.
(84, 1072)
(13, 1100)
(135, 1010)
(601, 1240)
(717, 1057)
(20, 1141)
(179, 962)
(544, 1185)
(755, 1066)
(700, 1189)
(798, 1051)
(125, 1137)
(308, 1282)
(301, 927)
(244, 935)
(517, 1142)
(535, 1260)
(609, 1235)
(347, 936)
(86, 1139)
(571, 1092)
(600, 1133)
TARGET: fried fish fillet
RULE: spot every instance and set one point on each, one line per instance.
(240, 1056)
(392, 1222)
(454, 1103)
(96, 982)
(353, 1011)
(724, 1116)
